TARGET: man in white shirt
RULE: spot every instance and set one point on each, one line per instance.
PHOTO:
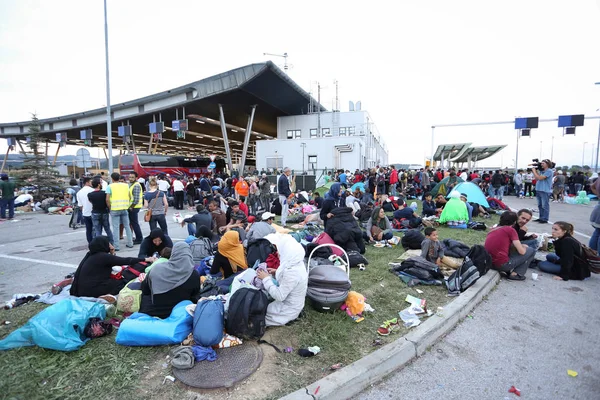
(104, 183)
(464, 175)
(518, 180)
(178, 188)
(163, 185)
(86, 206)
(23, 199)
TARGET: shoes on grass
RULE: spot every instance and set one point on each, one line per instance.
(388, 327)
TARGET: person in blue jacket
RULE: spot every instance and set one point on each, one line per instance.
(429, 208)
(283, 188)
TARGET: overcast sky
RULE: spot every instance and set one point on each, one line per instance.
(412, 64)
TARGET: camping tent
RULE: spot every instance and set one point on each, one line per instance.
(358, 185)
(473, 192)
(324, 189)
(441, 188)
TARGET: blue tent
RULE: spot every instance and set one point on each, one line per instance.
(358, 185)
(474, 194)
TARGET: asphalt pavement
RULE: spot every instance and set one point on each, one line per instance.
(527, 334)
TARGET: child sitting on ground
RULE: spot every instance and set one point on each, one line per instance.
(431, 248)
(165, 254)
(429, 208)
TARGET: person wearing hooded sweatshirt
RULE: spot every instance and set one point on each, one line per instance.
(455, 211)
(379, 226)
(332, 200)
(290, 292)
(154, 243)
(170, 283)
(92, 277)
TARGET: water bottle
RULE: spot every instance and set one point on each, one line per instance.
(156, 255)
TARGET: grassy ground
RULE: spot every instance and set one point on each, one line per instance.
(103, 370)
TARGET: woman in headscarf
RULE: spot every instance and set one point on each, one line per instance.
(230, 258)
(92, 277)
(290, 292)
(171, 282)
(154, 243)
(332, 200)
(379, 226)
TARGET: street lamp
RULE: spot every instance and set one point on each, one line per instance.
(583, 155)
(541, 149)
(303, 147)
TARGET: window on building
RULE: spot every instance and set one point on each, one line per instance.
(313, 133)
(293, 134)
(342, 131)
(312, 162)
(326, 132)
(351, 131)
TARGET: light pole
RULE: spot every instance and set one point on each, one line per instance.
(108, 116)
(583, 155)
(552, 150)
(303, 147)
(541, 149)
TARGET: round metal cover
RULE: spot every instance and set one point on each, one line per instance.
(232, 365)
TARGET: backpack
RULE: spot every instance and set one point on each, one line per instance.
(260, 249)
(246, 313)
(591, 258)
(465, 276)
(412, 239)
(480, 258)
(381, 180)
(208, 322)
(201, 248)
(356, 258)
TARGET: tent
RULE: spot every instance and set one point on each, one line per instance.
(473, 192)
(324, 189)
(441, 188)
(358, 185)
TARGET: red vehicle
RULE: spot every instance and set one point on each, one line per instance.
(155, 164)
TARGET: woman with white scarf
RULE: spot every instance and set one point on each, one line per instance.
(290, 292)
(171, 282)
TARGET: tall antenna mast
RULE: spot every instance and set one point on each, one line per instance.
(337, 104)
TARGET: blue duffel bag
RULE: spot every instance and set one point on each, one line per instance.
(208, 322)
(143, 330)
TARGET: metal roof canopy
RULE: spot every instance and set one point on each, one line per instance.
(264, 85)
(449, 151)
(478, 153)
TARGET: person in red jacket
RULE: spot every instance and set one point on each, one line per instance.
(393, 181)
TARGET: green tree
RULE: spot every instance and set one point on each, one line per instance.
(36, 170)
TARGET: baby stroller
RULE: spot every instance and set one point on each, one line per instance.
(328, 284)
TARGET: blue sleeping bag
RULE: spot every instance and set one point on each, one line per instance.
(58, 327)
(208, 322)
(143, 330)
(460, 226)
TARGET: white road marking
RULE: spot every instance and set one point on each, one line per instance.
(37, 261)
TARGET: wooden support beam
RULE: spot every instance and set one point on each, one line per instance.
(5, 158)
(56, 155)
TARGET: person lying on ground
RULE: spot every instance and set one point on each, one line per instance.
(230, 257)
(431, 248)
(524, 216)
(165, 254)
(201, 218)
(154, 243)
(499, 242)
(92, 277)
(567, 263)
(379, 226)
(260, 229)
(169, 283)
(429, 208)
(292, 281)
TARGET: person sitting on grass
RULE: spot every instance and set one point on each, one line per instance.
(238, 221)
(567, 263)
(455, 211)
(464, 198)
(318, 200)
(169, 283)
(289, 293)
(509, 255)
(407, 213)
(165, 254)
(431, 248)
(229, 260)
(429, 208)
(93, 275)
(379, 226)
(260, 229)
(440, 203)
(154, 243)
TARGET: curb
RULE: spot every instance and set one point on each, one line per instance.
(354, 378)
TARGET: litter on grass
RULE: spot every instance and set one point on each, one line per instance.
(572, 373)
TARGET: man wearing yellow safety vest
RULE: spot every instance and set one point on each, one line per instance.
(135, 189)
(118, 200)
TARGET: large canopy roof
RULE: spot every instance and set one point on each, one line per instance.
(263, 85)
(449, 151)
(478, 153)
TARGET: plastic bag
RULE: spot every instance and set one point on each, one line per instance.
(208, 322)
(58, 327)
(143, 330)
(129, 300)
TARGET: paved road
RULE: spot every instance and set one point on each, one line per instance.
(37, 250)
(526, 334)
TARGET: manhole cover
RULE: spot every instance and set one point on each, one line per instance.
(79, 248)
(232, 365)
